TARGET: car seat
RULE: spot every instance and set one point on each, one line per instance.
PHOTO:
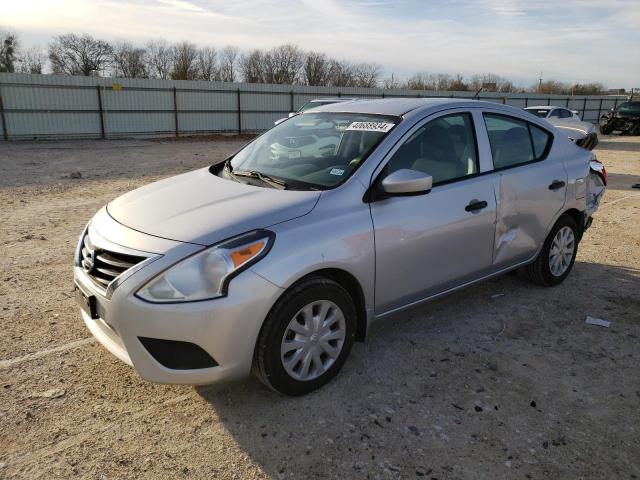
(513, 148)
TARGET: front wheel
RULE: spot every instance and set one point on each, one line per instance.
(558, 254)
(306, 337)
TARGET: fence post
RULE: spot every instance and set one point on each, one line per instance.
(526, 102)
(584, 108)
(339, 94)
(175, 109)
(101, 111)
(5, 129)
(239, 113)
(615, 104)
(599, 109)
(291, 102)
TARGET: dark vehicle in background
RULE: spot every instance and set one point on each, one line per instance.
(625, 118)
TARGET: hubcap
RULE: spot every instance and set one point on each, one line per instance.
(561, 252)
(313, 340)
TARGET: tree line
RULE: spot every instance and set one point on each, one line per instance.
(84, 55)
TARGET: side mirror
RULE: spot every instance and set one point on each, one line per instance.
(407, 182)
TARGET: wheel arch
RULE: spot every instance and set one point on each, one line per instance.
(351, 284)
(578, 217)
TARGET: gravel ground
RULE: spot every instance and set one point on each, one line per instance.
(502, 380)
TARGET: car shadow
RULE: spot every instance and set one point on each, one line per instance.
(622, 181)
(429, 384)
(605, 144)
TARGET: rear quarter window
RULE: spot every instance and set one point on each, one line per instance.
(514, 141)
(540, 139)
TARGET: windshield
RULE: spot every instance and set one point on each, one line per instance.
(314, 150)
(538, 112)
(630, 107)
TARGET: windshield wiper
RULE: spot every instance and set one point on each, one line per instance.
(264, 178)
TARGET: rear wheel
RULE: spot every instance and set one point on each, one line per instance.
(558, 254)
(606, 129)
(306, 337)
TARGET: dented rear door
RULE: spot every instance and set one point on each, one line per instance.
(526, 206)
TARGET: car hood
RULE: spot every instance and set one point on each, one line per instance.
(200, 207)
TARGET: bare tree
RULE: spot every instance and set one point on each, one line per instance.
(185, 65)
(159, 58)
(73, 54)
(283, 64)
(316, 69)
(31, 60)
(391, 82)
(551, 86)
(458, 84)
(252, 67)
(341, 74)
(490, 82)
(8, 51)
(129, 61)
(367, 74)
(228, 63)
(422, 81)
(594, 88)
(208, 64)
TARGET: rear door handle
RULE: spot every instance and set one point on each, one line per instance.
(556, 185)
(475, 205)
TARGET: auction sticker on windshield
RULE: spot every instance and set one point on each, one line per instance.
(371, 126)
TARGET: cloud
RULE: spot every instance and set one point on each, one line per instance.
(575, 40)
(182, 5)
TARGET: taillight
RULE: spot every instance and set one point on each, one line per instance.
(598, 167)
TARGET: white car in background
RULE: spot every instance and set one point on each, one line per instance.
(568, 122)
(316, 102)
(551, 112)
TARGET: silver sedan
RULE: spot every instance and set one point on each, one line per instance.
(277, 263)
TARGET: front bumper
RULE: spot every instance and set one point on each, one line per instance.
(225, 328)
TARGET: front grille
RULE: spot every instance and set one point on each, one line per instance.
(103, 266)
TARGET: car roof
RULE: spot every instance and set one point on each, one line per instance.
(400, 106)
(542, 107)
(387, 106)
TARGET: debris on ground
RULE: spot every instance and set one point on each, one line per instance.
(75, 175)
(597, 321)
(53, 393)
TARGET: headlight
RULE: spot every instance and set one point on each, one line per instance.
(206, 274)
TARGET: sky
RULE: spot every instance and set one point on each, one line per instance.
(570, 40)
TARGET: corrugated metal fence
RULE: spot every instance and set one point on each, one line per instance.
(58, 107)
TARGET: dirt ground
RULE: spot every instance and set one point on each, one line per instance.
(502, 380)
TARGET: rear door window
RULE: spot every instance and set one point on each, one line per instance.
(515, 142)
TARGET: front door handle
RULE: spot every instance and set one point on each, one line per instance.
(476, 205)
(556, 185)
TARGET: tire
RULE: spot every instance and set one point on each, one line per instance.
(312, 303)
(605, 129)
(541, 271)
